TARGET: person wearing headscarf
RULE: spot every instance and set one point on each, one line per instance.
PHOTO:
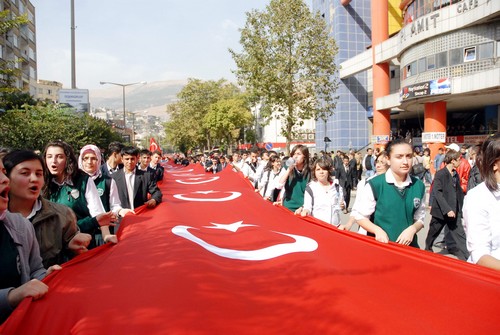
(72, 187)
(89, 161)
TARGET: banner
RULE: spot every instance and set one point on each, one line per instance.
(215, 258)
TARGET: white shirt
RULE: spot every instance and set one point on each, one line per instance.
(249, 172)
(130, 181)
(481, 213)
(365, 206)
(326, 202)
(272, 183)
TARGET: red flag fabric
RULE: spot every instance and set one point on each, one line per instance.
(215, 258)
(153, 146)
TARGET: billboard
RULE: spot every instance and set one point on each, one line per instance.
(433, 87)
(78, 99)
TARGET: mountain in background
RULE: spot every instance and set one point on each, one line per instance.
(153, 97)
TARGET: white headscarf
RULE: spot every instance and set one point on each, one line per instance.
(92, 148)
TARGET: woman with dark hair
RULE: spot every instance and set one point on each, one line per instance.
(381, 167)
(324, 197)
(482, 208)
(55, 224)
(270, 178)
(21, 268)
(69, 186)
(295, 179)
(395, 199)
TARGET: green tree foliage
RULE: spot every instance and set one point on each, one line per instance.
(32, 127)
(9, 21)
(197, 120)
(288, 63)
(225, 118)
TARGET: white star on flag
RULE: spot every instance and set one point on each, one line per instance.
(205, 192)
(231, 226)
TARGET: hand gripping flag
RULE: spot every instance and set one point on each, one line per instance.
(215, 258)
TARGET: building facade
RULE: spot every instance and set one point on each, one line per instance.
(48, 90)
(350, 26)
(18, 46)
(446, 64)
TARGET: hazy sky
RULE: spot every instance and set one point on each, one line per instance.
(127, 41)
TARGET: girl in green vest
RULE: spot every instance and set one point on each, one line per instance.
(69, 186)
(296, 178)
(391, 205)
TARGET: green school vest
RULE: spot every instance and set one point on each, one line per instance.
(73, 196)
(395, 208)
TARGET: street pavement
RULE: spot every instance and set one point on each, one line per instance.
(422, 234)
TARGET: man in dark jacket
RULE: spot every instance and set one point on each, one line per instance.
(344, 175)
(447, 204)
(133, 184)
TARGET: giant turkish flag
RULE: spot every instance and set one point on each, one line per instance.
(215, 258)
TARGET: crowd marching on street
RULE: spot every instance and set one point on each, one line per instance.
(60, 203)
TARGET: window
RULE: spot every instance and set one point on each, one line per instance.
(442, 59)
(470, 54)
(411, 69)
(422, 65)
(431, 62)
(393, 74)
(485, 50)
(455, 56)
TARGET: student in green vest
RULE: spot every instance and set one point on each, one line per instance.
(69, 186)
(89, 161)
(295, 179)
(395, 199)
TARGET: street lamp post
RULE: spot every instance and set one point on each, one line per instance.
(123, 95)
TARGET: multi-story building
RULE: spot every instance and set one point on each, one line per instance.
(437, 80)
(48, 90)
(350, 26)
(19, 44)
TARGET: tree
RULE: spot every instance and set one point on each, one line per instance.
(32, 127)
(190, 127)
(288, 62)
(226, 117)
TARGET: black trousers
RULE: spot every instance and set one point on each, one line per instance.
(456, 232)
(347, 196)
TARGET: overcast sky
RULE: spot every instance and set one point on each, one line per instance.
(127, 41)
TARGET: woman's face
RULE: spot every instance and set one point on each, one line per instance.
(381, 164)
(89, 162)
(321, 174)
(26, 180)
(55, 159)
(277, 164)
(400, 159)
(4, 188)
(496, 169)
(299, 157)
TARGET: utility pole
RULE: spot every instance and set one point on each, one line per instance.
(73, 61)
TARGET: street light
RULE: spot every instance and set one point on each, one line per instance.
(123, 88)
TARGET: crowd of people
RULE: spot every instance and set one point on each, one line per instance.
(392, 201)
(57, 204)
